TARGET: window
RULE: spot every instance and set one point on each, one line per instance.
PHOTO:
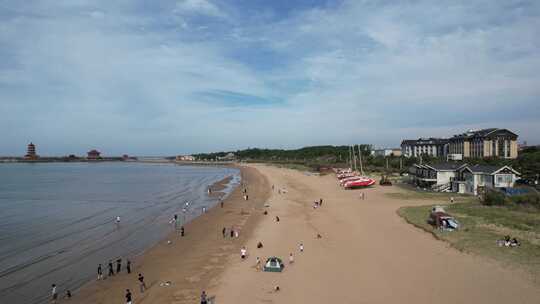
(504, 179)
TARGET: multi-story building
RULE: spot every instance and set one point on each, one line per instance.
(436, 147)
(485, 143)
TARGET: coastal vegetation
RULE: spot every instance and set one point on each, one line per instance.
(317, 157)
(481, 226)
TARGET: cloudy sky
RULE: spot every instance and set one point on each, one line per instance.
(166, 77)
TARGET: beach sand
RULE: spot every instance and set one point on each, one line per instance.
(190, 262)
(367, 253)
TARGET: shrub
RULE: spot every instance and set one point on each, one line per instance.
(530, 199)
(494, 198)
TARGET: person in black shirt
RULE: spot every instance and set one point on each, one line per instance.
(142, 285)
(128, 266)
(118, 265)
(99, 272)
(128, 296)
(111, 270)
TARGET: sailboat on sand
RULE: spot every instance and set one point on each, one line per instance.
(350, 179)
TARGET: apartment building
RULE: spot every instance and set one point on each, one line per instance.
(485, 143)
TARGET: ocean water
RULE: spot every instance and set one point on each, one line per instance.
(57, 220)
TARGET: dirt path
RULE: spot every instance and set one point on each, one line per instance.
(367, 254)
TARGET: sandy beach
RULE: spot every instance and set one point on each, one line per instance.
(191, 262)
(367, 253)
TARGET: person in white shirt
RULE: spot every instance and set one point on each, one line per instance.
(301, 247)
(118, 220)
(291, 258)
(54, 293)
(243, 252)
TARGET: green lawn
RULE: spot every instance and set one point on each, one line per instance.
(482, 225)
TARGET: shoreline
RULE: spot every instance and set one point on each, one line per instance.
(191, 262)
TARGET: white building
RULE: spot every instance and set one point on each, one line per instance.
(435, 147)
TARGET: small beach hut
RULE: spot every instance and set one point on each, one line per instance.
(274, 264)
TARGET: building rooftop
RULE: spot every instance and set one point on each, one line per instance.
(425, 141)
(483, 133)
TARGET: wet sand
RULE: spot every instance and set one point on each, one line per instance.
(191, 262)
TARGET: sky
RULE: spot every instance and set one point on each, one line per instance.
(167, 77)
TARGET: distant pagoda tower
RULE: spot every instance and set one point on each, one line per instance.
(31, 152)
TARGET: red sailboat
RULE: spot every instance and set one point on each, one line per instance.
(351, 180)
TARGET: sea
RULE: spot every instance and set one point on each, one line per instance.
(58, 220)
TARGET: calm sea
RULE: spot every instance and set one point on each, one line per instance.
(57, 221)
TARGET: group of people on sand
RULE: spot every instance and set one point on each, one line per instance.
(54, 294)
(317, 204)
(509, 242)
(234, 233)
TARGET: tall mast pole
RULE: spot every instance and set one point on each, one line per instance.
(354, 158)
(350, 158)
(360, 157)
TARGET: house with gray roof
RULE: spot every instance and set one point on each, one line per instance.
(471, 178)
(461, 177)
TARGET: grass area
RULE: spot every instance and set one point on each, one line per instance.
(482, 225)
(413, 194)
(294, 166)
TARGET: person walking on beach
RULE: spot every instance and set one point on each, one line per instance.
(142, 284)
(111, 270)
(118, 265)
(224, 232)
(117, 220)
(451, 200)
(182, 231)
(99, 273)
(258, 263)
(291, 258)
(221, 203)
(236, 234)
(301, 247)
(174, 221)
(320, 202)
(243, 253)
(277, 218)
(128, 296)
(232, 232)
(54, 294)
(128, 266)
(204, 299)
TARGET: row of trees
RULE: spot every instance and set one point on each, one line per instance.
(528, 161)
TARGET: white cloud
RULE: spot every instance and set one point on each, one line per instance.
(202, 7)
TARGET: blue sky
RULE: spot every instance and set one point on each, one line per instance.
(169, 77)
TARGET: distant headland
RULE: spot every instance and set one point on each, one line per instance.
(91, 156)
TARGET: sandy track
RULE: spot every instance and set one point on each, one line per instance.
(368, 254)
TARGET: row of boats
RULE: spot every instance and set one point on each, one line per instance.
(350, 179)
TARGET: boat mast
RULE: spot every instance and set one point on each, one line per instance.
(350, 158)
(360, 157)
(354, 158)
